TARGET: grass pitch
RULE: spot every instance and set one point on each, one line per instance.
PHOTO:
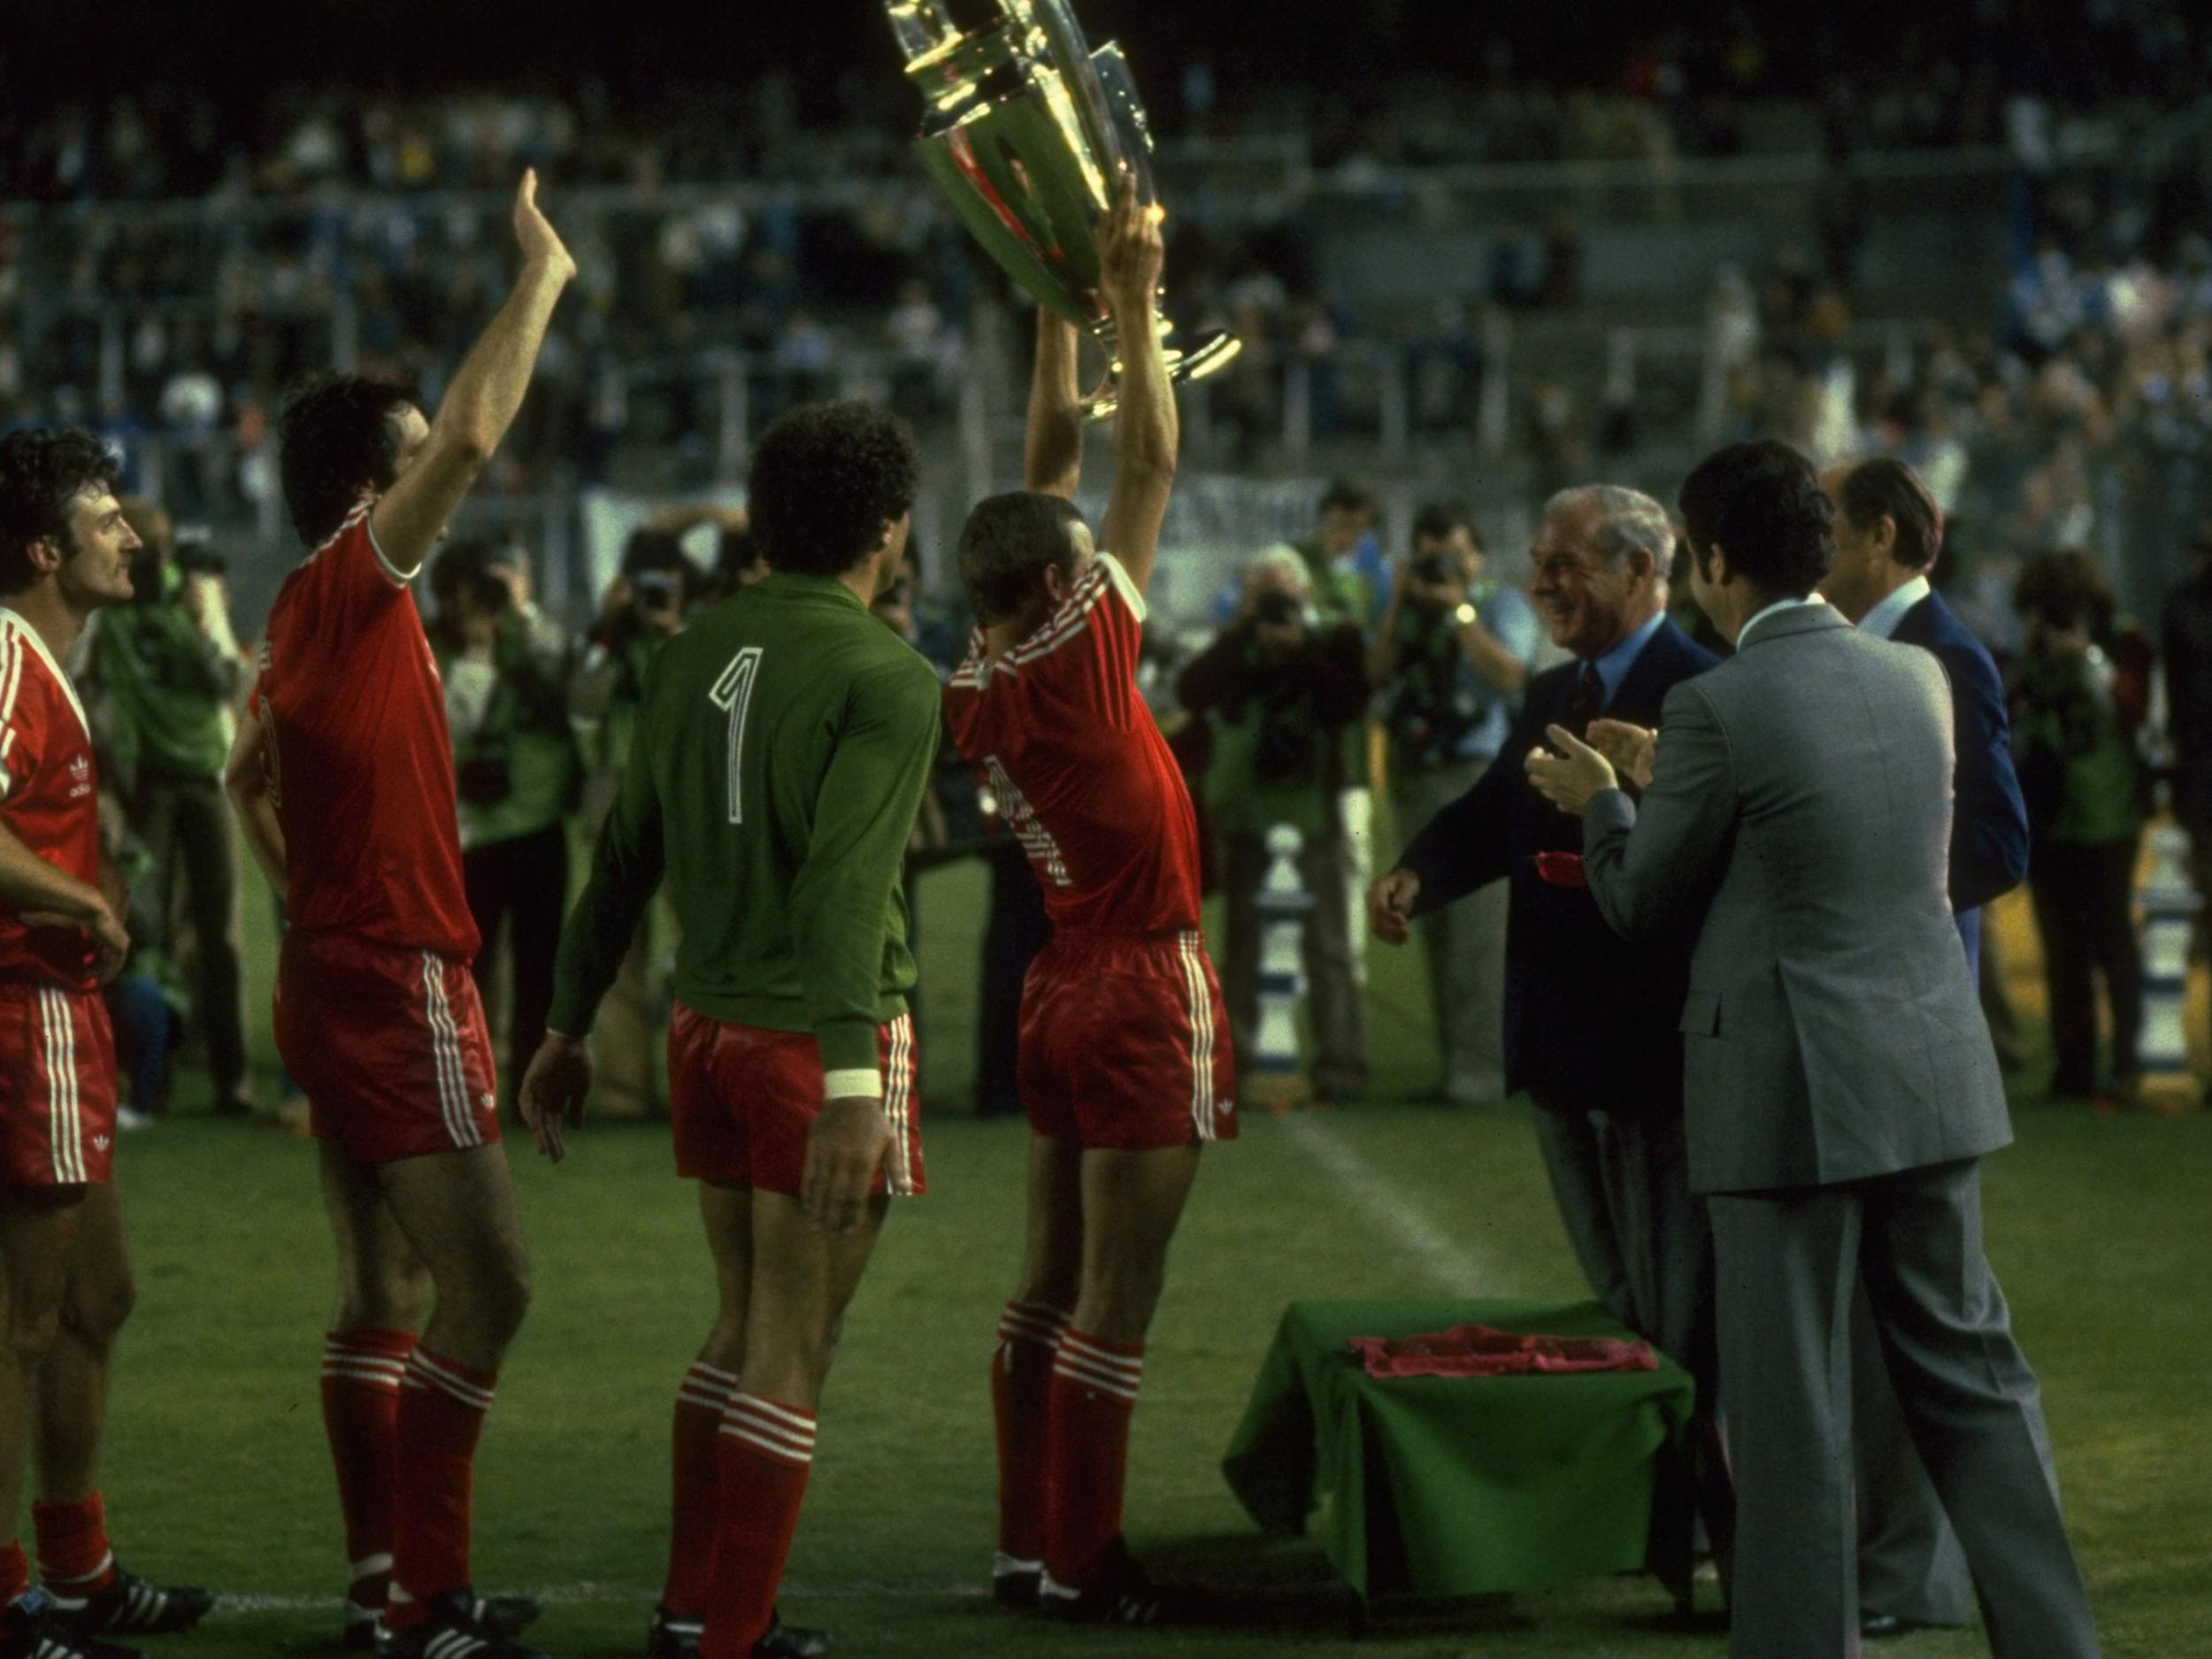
(216, 1470)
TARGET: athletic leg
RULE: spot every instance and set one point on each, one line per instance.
(1029, 1333)
(801, 1280)
(383, 1292)
(38, 1230)
(1131, 1201)
(457, 1211)
(701, 1402)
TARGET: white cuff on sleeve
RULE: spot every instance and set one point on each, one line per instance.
(860, 1079)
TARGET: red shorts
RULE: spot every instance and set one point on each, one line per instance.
(741, 1100)
(389, 1045)
(1126, 1043)
(57, 1085)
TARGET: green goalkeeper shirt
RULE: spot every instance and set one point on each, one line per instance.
(782, 749)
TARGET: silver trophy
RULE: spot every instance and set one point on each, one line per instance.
(1029, 133)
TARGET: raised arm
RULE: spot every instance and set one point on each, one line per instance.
(481, 404)
(1052, 451)
(1146, 433)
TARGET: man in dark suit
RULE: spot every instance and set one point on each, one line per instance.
(1888, 533)
(1589, 1019)
(1841, 1085)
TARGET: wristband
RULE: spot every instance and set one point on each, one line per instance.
(860, 1079)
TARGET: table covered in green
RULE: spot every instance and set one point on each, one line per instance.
(1456, 1485)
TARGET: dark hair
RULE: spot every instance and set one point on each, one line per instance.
(458, 564)
(826, 478)
(336, 433)
(1005, 546)
(650, 550)
(1761, 502)
(43, 472)
(736, 553)
(1347, 494)
(2067, 587)
(1886, 488)
(1436, 521)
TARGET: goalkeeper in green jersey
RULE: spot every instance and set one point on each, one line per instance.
(781, 753)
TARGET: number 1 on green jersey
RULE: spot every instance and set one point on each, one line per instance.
(733, 694)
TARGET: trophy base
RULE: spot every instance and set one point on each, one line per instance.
(1208, 357)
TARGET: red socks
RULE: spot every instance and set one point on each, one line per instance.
(15, 1574)
(442, 1407)
(1021, 1405)
(1095, 1389)
(361, 1376)
(766, 1450)
(695, 1453)
(74, 1561)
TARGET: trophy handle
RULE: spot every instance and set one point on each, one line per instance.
(1208, 357)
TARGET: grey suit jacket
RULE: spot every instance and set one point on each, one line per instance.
(1801, 805)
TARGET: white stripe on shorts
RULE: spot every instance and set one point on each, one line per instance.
(64, 1119)
(445, 1047)
(1201, 1036)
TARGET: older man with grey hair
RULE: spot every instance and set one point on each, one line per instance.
(1590, 1019)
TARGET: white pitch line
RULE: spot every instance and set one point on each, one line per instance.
(1451, 1265)
(606, 1595)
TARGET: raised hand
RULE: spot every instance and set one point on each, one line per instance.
(541, 243)
(1131, 250)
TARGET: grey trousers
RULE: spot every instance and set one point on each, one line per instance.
(1465, 947)
(1788, 1263)
(1910, 1562)
(185, 825)
(1332, 991)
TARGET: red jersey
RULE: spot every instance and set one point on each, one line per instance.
(1081, 772)
(361, 763)
(49, 797)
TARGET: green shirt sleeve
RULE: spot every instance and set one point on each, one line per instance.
(842, 897)
(626, 868)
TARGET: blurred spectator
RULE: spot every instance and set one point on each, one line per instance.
(1283, 688)
(2079, 695)
(505, 665)
(164, 673)
(1449, 660)
(147, 1026)
(2187, 637)
(642, 609)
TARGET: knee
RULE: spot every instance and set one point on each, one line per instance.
(393, 1296)
(96, 1317)
(502, 1301)
(32, 1332)
(1118, 1307)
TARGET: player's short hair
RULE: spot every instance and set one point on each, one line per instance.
(1624, 521)
(1436, 521)
(826, 478)
(1006, 546)
(1886, 488)
(42, 471)
(335, 434)
(1762, 501)
(1347, 494)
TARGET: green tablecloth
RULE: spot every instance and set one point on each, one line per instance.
(1451, 1486)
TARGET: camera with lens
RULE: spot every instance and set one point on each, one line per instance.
(1435, 569)
(657, 590)
(1277, 609)
(196, 552)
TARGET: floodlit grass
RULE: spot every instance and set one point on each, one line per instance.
(216, 1469)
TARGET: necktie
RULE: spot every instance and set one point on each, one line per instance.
(1587, 702)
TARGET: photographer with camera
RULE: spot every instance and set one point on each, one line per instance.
(164, 673)
(505, 665)
(643, 607)
(1279, 690)
(1451, 656)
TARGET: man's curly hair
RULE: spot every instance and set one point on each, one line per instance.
(826, 478)
(336, 433)
(43, 472)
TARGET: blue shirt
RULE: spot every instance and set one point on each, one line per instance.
(1613, 665)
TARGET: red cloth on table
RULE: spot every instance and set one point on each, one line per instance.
(1476, 1350)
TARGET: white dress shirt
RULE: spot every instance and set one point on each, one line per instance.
(1743, 635)
(1882, 621)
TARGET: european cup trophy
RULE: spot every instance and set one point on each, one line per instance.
(1029, 133)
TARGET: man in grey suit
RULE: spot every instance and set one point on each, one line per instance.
(1840, 1084)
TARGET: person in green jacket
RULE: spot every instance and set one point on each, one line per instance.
(164, 671)
(781, 753)
(505, 667)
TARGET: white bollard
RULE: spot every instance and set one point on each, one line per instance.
(1282, 904)
(2171, 904)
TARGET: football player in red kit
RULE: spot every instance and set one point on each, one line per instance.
(65, 551)
(343, 778)
(1125, 1065)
